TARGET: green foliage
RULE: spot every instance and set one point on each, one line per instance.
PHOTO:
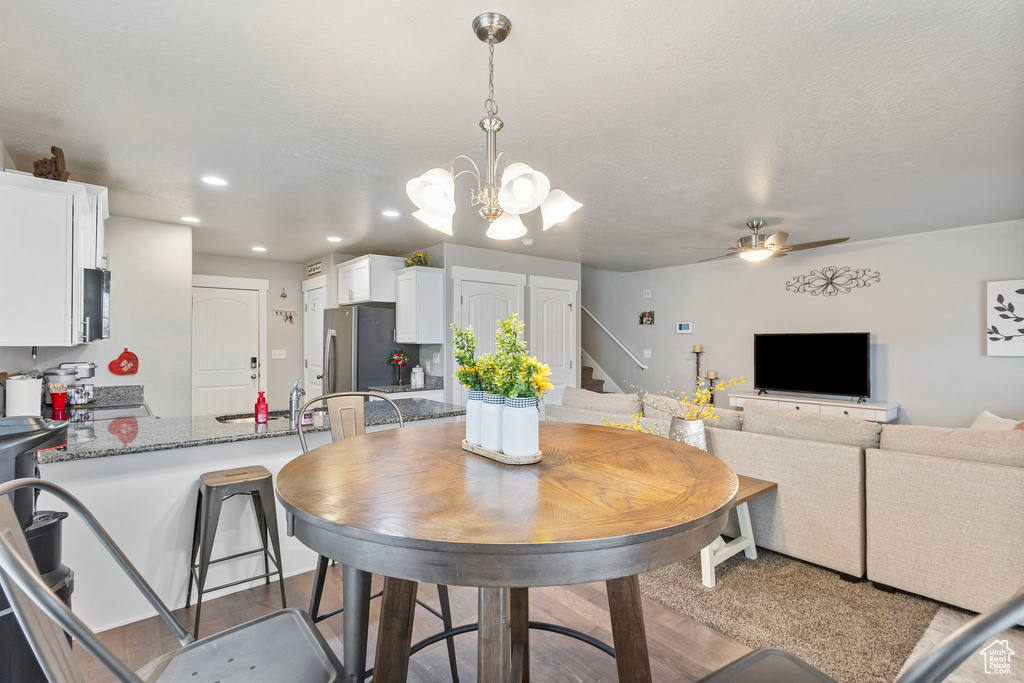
(509, 372)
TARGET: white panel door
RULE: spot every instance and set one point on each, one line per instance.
(313, 301)
(483, 305)
(225, 340)
(553, 336)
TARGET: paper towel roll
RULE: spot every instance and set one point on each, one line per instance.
(24, 396)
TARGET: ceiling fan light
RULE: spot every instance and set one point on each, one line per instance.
(755, 255)
(557, 207)
(508, 226)
(433, 220)
(434, 192)
(522, 188)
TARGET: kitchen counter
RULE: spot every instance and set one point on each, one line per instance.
(430, 383)
(121, 436)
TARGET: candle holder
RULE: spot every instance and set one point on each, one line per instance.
(698, 354)
(711, 379)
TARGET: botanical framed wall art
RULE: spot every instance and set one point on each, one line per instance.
(1004, 318)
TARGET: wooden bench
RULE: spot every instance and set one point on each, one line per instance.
(719, 551)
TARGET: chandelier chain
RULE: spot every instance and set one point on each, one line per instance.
(489, 104)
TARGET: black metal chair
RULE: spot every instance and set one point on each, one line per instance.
(282, 647)
(774, 666)
(346, 417)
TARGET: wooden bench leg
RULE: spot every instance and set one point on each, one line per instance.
(394, 635)
(746, 530)
(628, 632)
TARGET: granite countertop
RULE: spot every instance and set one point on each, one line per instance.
(103, 438)
(430, 383)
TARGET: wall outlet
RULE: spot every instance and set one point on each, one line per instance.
(647, 353)
(646, 294)
(278, 353)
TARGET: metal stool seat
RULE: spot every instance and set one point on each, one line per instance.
(214, 488)
(283, 647)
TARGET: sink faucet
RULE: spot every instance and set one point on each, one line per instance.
(295, 403)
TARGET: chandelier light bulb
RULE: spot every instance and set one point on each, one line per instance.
(508, 226)
(756, 254)
(557, 207)
(434, 192)
(522, 188)
(439, 223)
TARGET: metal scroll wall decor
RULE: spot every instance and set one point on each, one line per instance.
(833, 280)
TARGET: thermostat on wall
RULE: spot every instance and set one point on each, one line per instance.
(684, 328)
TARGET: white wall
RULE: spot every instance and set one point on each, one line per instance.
(926, 318)
(7, 160)
(150, 313)
(281, 373)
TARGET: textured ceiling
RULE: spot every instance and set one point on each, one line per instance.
(673, 122)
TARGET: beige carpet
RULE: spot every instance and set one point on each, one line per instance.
(853, 632)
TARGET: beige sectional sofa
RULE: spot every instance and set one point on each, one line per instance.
(945, 513)
(817, 513)
(937, 512)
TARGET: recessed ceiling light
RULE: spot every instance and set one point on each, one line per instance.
(190, 219)
(259, 248)
(214, 180)
(390, 213)
(333, 239)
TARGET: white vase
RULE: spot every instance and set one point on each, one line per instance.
(490, 422)
(473, 406)
(690, 432)
(520, 427)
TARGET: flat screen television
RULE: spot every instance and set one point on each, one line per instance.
(836, 364)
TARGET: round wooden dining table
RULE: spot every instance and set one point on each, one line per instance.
(604, 504)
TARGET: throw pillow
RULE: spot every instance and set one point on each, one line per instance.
(989, 421)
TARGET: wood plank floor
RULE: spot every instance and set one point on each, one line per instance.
(681, 649)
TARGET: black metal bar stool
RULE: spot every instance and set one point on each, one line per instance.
(346, 417)
(214, 488)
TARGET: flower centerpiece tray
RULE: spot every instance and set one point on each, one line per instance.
(501, 457)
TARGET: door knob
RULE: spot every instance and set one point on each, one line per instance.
(319, 376)
(253, 376)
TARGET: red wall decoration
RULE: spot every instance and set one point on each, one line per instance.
(125, 364)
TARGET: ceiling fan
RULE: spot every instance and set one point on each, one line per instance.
(758, 247)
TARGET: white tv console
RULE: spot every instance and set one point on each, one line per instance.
(876, 412)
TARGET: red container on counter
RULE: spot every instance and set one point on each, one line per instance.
(262, 409)
(60, 399)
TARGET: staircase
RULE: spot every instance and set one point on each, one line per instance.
(588, 382)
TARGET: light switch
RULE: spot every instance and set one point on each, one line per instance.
(647, 353)
(278, 353)
(647, 294)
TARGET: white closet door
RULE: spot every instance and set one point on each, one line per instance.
(314, 301)
(553, 332)
(225, 340)
(482, 305)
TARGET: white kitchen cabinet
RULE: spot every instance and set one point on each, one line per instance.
(93, 228)
(419, 305)
(43, 228)
(367, 278)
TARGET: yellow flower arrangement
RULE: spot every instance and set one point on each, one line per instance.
(509, 372)
(694, 406)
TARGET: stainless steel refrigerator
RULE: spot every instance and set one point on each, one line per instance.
(357, 342)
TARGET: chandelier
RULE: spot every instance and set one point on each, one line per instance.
(504, 196)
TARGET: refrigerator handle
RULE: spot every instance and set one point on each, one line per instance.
(328, 385)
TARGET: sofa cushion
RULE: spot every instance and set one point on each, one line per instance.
(988, 420)
(661, 407)
(609, 405)
(980, 445)
(765, 419)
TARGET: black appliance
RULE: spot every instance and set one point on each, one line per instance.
(21, 438)
(96, 304)
(835, 364)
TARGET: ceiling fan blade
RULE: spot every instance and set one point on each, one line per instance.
(778, 254)
(777, 241)
(718, 258)
(712, 248)
(814, 245)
